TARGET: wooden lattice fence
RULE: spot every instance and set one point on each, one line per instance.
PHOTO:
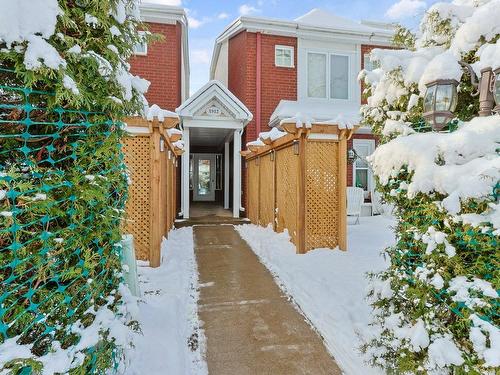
(298, 183)
(151, 158)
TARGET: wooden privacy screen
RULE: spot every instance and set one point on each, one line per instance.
(151, 159)
(298, 183)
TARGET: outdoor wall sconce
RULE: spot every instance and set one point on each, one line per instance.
(440, 101)
(352, 155)
(489, 92)
(296, 147)
(495, 88)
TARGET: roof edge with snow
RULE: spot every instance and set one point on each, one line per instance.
(369, 32)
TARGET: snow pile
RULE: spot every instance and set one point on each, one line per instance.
(160, 114)
(273, 135)
(59, 360)
(179, 144)
(257, 143)
(174, 131)
(469, 166)
(329, 286)
(21, 20)
(300, 120)
(168, 314)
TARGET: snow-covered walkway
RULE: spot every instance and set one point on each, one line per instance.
(250, 326)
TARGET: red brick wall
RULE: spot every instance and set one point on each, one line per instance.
(276, 83)
(162, 66)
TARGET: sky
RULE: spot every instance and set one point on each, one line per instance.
(207, 19)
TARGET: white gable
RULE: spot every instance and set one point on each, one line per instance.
(214, 101)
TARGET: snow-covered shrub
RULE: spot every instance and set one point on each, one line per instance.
(64, 88)
(437, 306)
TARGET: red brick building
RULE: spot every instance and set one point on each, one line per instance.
(307, 67)
(165, 63)
(262, 71)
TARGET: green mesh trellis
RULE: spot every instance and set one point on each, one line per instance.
(62, 194)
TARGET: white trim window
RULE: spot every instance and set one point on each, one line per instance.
(141, 49)
(362, 174)
(284, 56)
(328, 76)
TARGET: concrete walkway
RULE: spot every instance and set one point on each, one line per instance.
(250, 326)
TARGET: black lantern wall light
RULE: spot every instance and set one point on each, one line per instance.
(441, 96)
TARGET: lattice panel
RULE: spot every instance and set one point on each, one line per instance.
(253, 190)
(266, 191)
(287, 172)
(138, 221)
(322, 190)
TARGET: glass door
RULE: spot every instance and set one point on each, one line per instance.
(204, 178)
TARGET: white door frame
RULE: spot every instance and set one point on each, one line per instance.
(371, 144)
(214, 106)
(209, 197)
(185, 192)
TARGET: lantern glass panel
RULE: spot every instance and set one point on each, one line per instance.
(440, 121)
(445, 97)
(496, 90)
(429, 99)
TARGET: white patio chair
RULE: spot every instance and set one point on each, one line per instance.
(355, 199)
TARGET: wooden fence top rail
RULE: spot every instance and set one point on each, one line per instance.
(317, 131)
(155, 125)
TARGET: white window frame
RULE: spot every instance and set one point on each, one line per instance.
(371, 181)
(137, 53)
(328, 55)
(285, 48)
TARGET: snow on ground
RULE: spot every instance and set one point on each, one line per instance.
(329, 286)
(168, 314)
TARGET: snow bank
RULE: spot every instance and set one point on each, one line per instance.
(168, 313)
(329, 286)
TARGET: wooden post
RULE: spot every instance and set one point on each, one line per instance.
(156, 236)
(342, 160)
(301, 199)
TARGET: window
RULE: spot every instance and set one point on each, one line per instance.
(284, 56)
(141, 48)
(363, 176)
(339, 82)
(368, 64)
(332, 83)
(316, 75)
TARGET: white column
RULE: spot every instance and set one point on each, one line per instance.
(185, 175)
(226, 175)
(237, 174)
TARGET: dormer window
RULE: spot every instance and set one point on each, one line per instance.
(284, 56)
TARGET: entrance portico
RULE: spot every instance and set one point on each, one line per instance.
(213, 121)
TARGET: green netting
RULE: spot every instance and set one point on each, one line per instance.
(62, 194)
